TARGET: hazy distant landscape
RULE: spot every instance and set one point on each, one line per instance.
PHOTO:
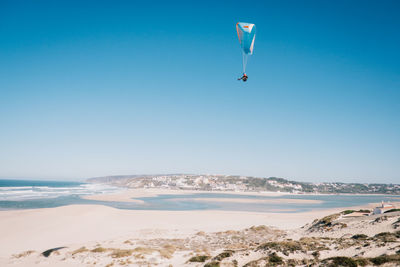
(199, 221)
(243, 184)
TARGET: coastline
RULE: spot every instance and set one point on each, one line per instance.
(128, 194)
(76, 226)
(48, 227)
(40, 229)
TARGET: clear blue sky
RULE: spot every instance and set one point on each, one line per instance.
(93, 88)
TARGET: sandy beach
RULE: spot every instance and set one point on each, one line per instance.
(76, 226)
(128, 195)
(40, 229)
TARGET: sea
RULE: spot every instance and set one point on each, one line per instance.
(30, 194)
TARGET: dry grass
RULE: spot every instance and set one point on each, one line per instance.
(229, 232)
(201, 233)
(79, 250)
(282, 246)
(305, 244)
(120, 253)
(386, 237)
(259, 228)
(23, 254)
(167, 251)
(139, 256)
(99, 250)
(271, 260)
(143, 250)
(312, 243)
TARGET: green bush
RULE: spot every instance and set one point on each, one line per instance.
(386, 237)
(359, 236)
(385, 258)
(223, 255)
(380, 260)
(275, 259)
(362, 262)
(365, 211)
(342, 261)
(199, 258)
(347, 212)
(212, 264)
(291, 246)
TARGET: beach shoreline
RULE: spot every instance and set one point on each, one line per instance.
(43, 227)
(74, 226)
(130, 195)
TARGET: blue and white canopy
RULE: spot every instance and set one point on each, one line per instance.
(247, 34)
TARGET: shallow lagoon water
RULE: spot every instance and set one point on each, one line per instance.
(190, 202)
(55, 195)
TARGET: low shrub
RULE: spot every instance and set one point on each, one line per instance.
(275, 259)
(345, 212)
(386, 237)
(359, 236)
(99, 250)
(362, 262)
(199, 258)
(212, 264)
(24, 254)
(364, 211)
(223, 255)
(79, 250)
(340, 261)
(120, 253)
(385, 259)
(291, 246)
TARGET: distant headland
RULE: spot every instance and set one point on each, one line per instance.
(213, 182)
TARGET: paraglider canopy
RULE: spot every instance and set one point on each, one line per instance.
(246, 33)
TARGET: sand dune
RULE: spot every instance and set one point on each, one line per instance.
(40, 229)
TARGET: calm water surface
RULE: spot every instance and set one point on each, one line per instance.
(17, 194)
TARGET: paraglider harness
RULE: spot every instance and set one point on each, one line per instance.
(244, 77)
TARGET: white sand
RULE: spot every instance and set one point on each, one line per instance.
(265, 201)
(42, 229)
(129, 194)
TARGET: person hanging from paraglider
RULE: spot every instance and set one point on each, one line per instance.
(246, 33)
(244, 77)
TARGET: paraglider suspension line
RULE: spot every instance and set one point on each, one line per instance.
(245, 57)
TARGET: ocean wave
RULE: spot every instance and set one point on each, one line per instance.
(5, 188)
(40, 192)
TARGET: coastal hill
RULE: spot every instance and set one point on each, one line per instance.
(242, 183)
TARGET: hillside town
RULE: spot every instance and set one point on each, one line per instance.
(214, 182)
